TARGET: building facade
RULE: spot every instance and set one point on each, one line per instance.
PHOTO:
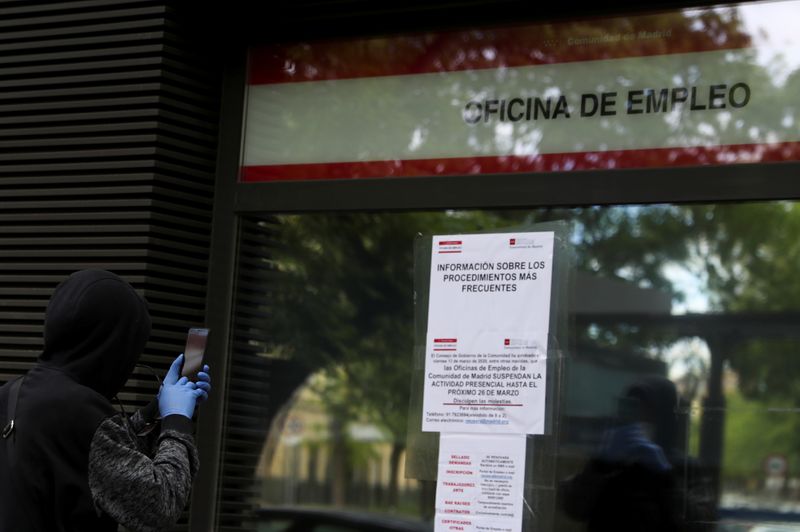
(276, 173)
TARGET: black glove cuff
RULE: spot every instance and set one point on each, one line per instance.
(177, 423)
(150, 412)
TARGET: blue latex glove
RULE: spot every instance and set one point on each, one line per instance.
(203, 384)
(178, 394)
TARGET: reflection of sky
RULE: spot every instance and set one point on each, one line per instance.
(690, 286)
(773, 26)
(687, 355)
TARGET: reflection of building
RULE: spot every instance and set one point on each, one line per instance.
(299, 459)
(589, 409)
(597, 377)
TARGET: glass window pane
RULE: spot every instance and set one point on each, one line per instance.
(680, 391)
(712, 85)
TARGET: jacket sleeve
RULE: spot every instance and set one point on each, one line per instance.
(141, 493)
(145, 417)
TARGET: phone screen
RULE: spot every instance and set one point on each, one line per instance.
(193, 354)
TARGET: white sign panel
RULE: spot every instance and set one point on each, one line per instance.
(651, 90)
(480, 483)
(520, 111)
(488, 324)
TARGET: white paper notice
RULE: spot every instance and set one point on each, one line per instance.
(488, 324)
(480, 483)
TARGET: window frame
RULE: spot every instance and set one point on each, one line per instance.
(233, 199)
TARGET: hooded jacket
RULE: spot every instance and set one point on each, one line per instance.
(73, 463)
(639, 482)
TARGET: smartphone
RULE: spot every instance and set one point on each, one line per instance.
(193, 354)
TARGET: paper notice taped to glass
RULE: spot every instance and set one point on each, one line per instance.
(480, 483)
(488, 326)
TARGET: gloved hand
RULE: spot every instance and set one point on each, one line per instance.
(203, 383)
(178, 394)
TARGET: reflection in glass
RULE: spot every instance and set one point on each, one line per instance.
(704, 297)
(692, 87)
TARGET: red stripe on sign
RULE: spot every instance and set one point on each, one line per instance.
(490, 48)
(443, 252)
(450, 243)
(446, 340)
(554, 162)
(480, 404)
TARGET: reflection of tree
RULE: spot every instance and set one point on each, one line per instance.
(345, 281)
(743, 258)
(748, 256)
(754, 430)
(489, 58)
(347, 306)
(333, 389)
(345, 290)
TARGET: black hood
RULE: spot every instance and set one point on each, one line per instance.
(95, 330)
(659, 397)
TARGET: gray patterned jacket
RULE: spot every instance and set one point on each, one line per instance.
(142, 479)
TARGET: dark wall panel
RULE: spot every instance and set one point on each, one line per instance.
(108, 128)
